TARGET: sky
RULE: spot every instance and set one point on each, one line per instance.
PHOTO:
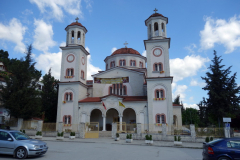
(196, 28)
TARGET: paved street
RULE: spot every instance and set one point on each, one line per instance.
(105, 151)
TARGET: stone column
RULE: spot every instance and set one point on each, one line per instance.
(164, 131)
(153, 32)
(120, 119)
(39, 126)
(193, 132)
(75, 37)
(104, 123)
(70, 37)
(139, 130)
(19, 123)
(60, 127)
(114, 130)
(82, 130)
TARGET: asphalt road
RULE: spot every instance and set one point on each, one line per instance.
(105, 151)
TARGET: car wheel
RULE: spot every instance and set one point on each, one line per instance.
(21, 153)
(223, 158)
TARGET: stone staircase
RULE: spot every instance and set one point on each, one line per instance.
(105, 133)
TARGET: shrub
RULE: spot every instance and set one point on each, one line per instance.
(72, 134)
(179, 138)
(211, 138)
(175, 138)
(150, 137)
(207, 139)
(39, 133)
(117, 135)
(127, 137)
(146, 137)
(130, 136)
(62, 134)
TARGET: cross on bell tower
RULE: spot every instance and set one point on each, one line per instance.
(125, 44)
(77, 19)
(155, 10)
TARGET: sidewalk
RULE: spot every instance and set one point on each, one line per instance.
(122, 142)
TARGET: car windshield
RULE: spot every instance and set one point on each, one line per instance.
(19, 135)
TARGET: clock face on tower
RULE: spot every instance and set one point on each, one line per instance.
(70, 58)
(157, 52)
(83, 60)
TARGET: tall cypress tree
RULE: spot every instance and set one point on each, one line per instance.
(49, 97)
(20, 96)
(177, 100)
(223, 93)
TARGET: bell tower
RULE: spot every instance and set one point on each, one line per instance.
(158, 79)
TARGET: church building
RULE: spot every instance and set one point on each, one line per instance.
(132, 89)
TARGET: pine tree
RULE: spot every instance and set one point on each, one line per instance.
(223, 93)
(20, 96)
(177, 100)
(49, 97)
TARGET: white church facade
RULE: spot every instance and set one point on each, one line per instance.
(132, 89)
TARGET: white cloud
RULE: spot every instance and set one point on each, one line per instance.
(174, 85)
(144, 53)
(191, 98)
(220, 31)
(180, 90)
(63, 44)
(27, 12)
(46, 61)
(113, 49)
(182, 68)
(91, 69)
(190, 106)
(88, 49)
(13, 32)
(196, 83)
(57, 6)
(43, 36)
(191, 48)
(89, 5)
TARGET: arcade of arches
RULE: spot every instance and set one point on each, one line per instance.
(112, 115)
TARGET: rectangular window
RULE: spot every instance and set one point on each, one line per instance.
(120, 89)
(158, 119)
(161, 93)
(160, 67)
(117, 89)
(124, 63)
(113, 88)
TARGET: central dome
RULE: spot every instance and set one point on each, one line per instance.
(125, 51)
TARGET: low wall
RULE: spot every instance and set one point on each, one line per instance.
(236, 134)
(160, 137)
(48, 133)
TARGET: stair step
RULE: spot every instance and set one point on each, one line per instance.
(105, 133)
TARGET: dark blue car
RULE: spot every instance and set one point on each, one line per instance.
(222, 149)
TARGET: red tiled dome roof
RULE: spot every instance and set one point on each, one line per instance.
(125, 51)
(156, 15)
(76, 23)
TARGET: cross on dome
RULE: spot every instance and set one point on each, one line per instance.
(125, 44)
(155, 10)
(77, 19)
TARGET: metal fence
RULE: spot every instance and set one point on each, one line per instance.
(126, 128)
(49, 127)
(30, 125)
(70, 127)
(207, 131)
(13, 122)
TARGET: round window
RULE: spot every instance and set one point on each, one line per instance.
(157, 52)
(70, 58)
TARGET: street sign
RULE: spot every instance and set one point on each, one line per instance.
(226, 119)
(227, 125)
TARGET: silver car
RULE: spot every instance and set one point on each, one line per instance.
(20, 145)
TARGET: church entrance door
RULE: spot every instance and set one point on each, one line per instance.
(111, 116)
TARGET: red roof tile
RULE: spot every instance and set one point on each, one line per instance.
(125, 98)
(176, 104)
(76, 24)
(156, 15)
(125, 51)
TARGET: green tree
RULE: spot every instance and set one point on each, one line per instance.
(223, 93)
(177, 100)
(20, 96)
(49, 97)
(190, 116)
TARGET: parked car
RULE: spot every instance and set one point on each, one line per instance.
(222, 149)
(19, 145)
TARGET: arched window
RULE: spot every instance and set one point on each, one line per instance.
(118, 89)
(79, 37)
(160, 118)
(122, 62)
(82, 74)
(72, 39)
(156, 29)
(112, 64)
(69, 72)
(159, 93)
(68, 96)
(163, 27)
(158, 67)
(132, 63)
(67, 119)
